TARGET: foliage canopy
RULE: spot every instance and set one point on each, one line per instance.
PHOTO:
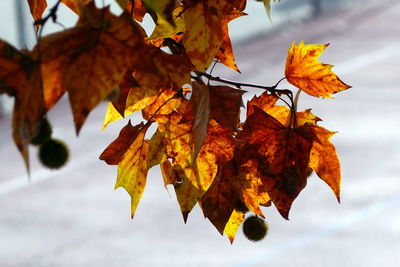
(204, 150)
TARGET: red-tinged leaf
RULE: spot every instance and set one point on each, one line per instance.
(139, 10)
(203, 33)
(37, 8)
(219, 143)
(304, 71)
(21, 77)
(233, 224)
(114, 153)
(324, 159)
(220, 199)
(88, 72)
(285, 155)
(225, 104)
(166, 71)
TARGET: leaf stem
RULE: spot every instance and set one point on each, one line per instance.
(271, 89)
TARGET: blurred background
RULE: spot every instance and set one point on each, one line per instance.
(73, 217)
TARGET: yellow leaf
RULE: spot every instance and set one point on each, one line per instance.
(203, 33)
(304, 71)
(233, 224)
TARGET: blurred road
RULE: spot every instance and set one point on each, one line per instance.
(73, 217)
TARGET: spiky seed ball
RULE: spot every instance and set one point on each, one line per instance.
(255, 228)
(44, 134)
(53, 154)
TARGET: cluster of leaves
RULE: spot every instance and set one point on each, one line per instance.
(204, 150)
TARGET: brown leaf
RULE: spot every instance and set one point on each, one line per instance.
(37, 8)
(284, 154)
(21, 77)
(225, 104)
(219, 201)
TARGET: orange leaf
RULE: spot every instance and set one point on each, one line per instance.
(324, 159)
(304, 71)
(225, 52)
(37, 8)
(88, 72)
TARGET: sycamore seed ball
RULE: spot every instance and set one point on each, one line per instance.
(53, 154)
(44, 134)
(255, 228)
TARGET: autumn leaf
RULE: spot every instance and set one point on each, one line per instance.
(37, 8)
(74, 4)
(324, 159)
(21, 77)
(304, 71)
(203, 33)
(166, 29)
(88, 73)
(219, 201)
(284, 154)
(225, 105)
(200, 101)
(129, 151)
(225, 52)
(233, 224)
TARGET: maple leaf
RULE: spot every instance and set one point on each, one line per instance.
(21, 77)
(88, 73)
(225, 105)
(37, 8)
(203, 33)
(323, 155)
(129, 151)
(324, 159)
(225, 52)
(200, 101)
(304, 71)
(284, 155)
(219, 201)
